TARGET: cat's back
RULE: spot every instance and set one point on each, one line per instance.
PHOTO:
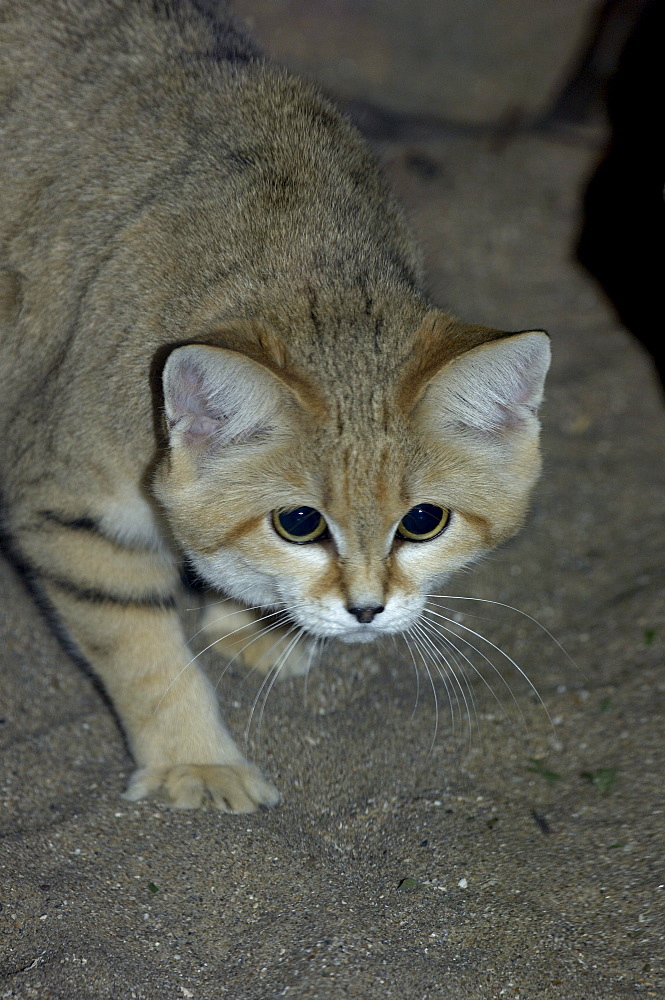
(73, 70)
(84, 80)
(53, 40)
(151, 162)
(98, 121)
(95, 127)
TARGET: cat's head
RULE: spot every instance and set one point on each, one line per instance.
(348, 507)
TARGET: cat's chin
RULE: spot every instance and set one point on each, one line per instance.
(351, 636)
(359, 637)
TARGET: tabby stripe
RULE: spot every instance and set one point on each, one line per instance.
(77, 523)
(95, 596)
(92, 527)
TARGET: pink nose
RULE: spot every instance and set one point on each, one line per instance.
(366, 615)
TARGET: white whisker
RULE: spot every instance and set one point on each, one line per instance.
(317, 647)
(498, 649)
(208, 604)
(405, 637)
(415, 669)
(273, 673)
(250, 642)
(241, 628)
(510, 607)
(450, 673)
(230, 614)
(441, 628)
(456, 670)
(418, 644)
(220, 639)
(276, 670)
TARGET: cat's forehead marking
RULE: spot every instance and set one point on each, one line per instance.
(365, 487)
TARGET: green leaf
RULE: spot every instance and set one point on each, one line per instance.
(537, 767)
(604, 778)
(152, 887)
(649, 636)
(410, 884)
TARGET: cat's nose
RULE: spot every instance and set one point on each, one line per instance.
(366, 614)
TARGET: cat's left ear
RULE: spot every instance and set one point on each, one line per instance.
(493, 388)
(214, 398)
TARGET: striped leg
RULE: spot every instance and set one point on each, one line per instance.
(117, 603)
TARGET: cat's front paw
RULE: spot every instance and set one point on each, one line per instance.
(233, 788)
(276, 652)
(260, 643)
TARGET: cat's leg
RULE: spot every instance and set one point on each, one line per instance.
(117, 603)
(260, 639)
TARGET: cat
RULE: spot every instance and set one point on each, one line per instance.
(217, 349)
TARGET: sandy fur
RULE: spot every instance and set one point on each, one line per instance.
(211, 308)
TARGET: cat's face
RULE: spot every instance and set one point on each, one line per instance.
(348, 519)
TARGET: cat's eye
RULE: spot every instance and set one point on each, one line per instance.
(423, 522)
(300, 525)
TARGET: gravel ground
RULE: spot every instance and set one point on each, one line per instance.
(417, 854)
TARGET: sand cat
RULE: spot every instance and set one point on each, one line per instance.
(217, 349)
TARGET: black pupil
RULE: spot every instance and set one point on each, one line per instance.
(300, 522)
(422, 519)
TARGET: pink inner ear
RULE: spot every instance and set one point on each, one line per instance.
(185, 391)
(202, 426)
(218, 397)
(529, 372)
(188, 401)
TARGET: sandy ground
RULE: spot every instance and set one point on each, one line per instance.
(520, 855)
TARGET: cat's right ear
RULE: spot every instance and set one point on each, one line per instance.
(215, 398)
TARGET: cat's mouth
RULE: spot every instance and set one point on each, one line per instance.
(352, 634)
